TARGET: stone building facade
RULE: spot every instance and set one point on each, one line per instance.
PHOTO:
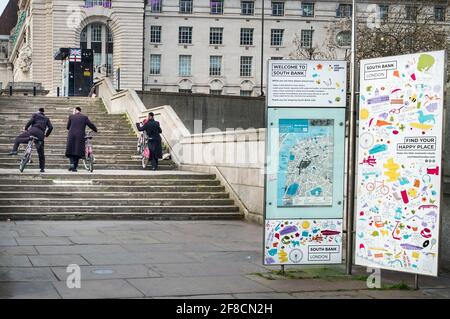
(198, 46)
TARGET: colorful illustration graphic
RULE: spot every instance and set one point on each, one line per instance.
(297, 83)
(399, 175)
(303, 241)
(305, 174)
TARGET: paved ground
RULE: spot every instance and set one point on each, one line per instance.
(160, 259)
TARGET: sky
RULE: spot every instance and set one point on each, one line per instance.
(3, 4)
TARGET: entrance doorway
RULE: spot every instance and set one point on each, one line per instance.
(98, 37)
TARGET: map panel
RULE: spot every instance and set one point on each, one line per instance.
(305, 174)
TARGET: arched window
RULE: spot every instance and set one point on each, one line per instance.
(344, 38)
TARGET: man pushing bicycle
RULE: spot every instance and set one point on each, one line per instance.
(40, 127)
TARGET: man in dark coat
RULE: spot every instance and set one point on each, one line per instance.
(75, 148)
(154, 139)
(39, 124)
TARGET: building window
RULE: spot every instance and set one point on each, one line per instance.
(83, 36)
(246, 36)
(155, 34)
(185, 35)
(344, 38)
(246, 66)
(185, 6)
(246, 93)
(93, 3)
(247, 8)
(185, 65)
(277, 8)
(215, 65)
(155, 64)
(276, 37)
(155, 90)
(307, 9)
(215, 92)
(410, 12)
(439, 14)
(215, 35)
(344, 11)
(185, 91)
(96, 33)
(383, 10)
(156, 5)
(216, 6)
(306, 38)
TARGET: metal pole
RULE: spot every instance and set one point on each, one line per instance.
(416, 282)
(262, 46)
(351, 150)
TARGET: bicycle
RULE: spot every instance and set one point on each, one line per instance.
(378, 186)
(143, 149)
(88, 160)
(26, 158)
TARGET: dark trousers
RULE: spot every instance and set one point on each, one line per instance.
(74, 161)
(23, 139)
(153, 155)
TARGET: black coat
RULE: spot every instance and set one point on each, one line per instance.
(153, 130)
(75, 138)
(39, 123)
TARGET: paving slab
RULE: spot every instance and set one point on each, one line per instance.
(210, 268)
(17, 250)
(264, 295)
(26, 274)
(332, 295)
(174, 247)
(109, 272)
(80, 249)
(114, 288)
(97, 240)
(8, 241)
(197, 286)
(437, 293)
(299, 285)
(28, 290)
(57, 260)
(242, 256)
(397, 294)
(37, 241)
(14, 261)
(224, 296)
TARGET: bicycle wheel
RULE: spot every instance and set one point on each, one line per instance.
(24, 161)
(145, 161)
(91, 163)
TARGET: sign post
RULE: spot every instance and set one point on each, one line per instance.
(399, 162)
(304, 178)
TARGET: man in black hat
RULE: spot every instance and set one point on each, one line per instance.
(154, 139)
(75, 148)
(39, 124)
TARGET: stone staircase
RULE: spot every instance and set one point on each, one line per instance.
(117, 189)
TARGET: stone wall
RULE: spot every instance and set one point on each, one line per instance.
(214, 111)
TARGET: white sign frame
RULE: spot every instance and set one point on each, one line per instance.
(400, 147)
(306, 83)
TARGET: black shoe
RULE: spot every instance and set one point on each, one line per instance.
(42, 170)
(12, 153)
(74, 170)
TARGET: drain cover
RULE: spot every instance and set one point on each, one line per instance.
(103, 271)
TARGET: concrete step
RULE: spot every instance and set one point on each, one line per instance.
(122, 182)
(109, 202)
(175, 215)
(110, 188)
(61, 161)
(136, 166)
(68, 194)
(115, 209)
(68, 176)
